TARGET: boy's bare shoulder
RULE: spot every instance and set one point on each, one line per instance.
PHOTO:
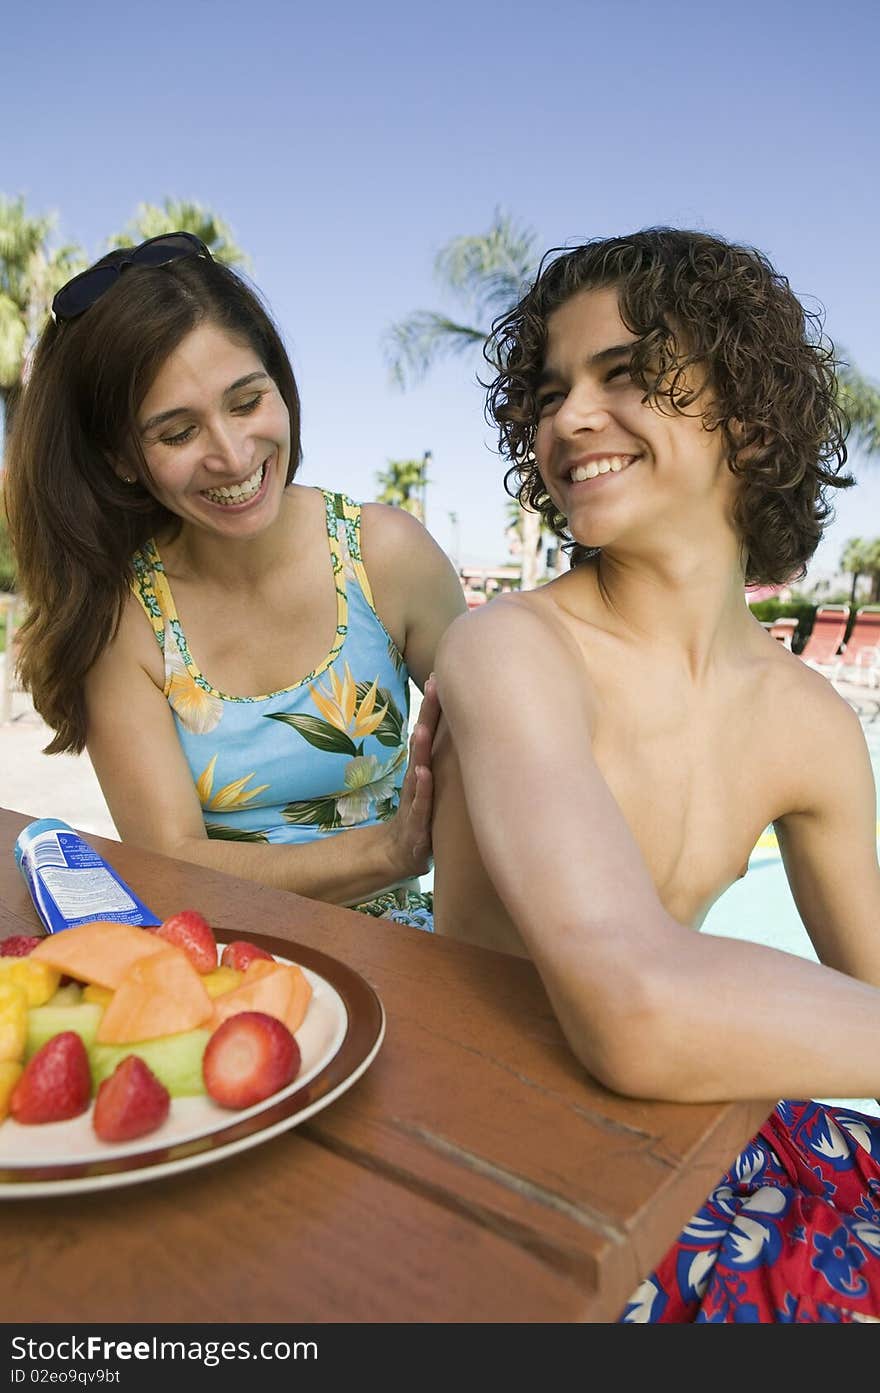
(819, 728)
(509, 626)
(514, 654)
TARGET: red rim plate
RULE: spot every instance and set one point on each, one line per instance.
(363, 1036)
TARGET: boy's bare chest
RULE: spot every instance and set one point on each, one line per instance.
(696, 790)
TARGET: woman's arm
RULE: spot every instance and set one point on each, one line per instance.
(416, 590)
(147, 783)
(650, 1007)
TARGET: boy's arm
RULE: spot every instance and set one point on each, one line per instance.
(829, 846)
(650, 1007)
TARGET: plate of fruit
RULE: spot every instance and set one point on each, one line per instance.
(130, 1053)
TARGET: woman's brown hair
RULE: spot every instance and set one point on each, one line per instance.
(74, 524)
(694, 299)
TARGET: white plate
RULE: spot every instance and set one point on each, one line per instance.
(339, 1038)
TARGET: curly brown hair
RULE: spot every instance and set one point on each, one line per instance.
(695, 300)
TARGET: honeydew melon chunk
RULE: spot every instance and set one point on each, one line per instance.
(45, 1021)
(68, 995)
(176, 1060)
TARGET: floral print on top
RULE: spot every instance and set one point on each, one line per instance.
(322, 755)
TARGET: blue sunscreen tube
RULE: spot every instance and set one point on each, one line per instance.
(70, 883)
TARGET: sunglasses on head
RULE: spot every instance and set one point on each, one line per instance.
(79, 294)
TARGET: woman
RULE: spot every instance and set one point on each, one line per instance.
(233, 649)
(614, 743)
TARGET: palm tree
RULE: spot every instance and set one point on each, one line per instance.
(403, 485)
(860, 398)
(871, 565)
(179, 215)
(854, 561)
(487, 273)
(30, 273)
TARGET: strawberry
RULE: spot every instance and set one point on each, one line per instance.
(56, 1083)
(239, 954)
(131, 1102)
(192, 933)
(19, 945)
(249, 1057)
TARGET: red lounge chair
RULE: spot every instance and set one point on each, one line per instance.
(829, 627)
(474, 597)
(783, 628)
(860, 660)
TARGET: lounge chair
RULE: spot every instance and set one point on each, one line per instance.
(823, 646)
(474, 597)
(783, 628)
(860, 659)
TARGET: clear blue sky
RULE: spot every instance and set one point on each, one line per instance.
(346, 143)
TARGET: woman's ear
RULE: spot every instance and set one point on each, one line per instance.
(124, 472)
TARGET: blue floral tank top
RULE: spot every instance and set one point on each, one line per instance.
(328, 752)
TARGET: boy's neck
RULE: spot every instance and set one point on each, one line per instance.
(687, 604)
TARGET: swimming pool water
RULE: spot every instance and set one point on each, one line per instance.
(760, 907)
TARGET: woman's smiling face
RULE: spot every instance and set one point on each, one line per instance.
(215, 432)
(615, 466)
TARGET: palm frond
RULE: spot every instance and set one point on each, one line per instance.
(30, 273)
(492, 269)
(415, 344)
(489, 272)
(860, 399)
(12, 337)
(21, 237)
(182, 215)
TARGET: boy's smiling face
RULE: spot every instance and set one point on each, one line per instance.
(619, 468)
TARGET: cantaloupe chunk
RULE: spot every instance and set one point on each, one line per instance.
(299, 1002)
(101, 951)
(279, 989)
(159, 995)
(301, 993)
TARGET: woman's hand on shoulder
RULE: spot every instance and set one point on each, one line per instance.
(410, 828)
(416, 589)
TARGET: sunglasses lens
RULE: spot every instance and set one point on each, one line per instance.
(82, 292)
(75, 297)
(161, 250)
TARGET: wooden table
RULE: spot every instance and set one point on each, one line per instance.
(474, 1172)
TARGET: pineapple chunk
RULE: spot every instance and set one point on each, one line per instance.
(10, 1073)
(68, 995)
(40, 980)
(13, 1020)
(221, 981)
(100, 996)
